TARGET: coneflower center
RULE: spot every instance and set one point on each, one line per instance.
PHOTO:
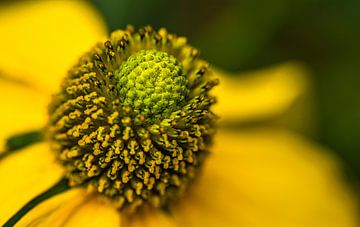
(152, 83)
(132, 120)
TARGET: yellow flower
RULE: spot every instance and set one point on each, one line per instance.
(260, 173)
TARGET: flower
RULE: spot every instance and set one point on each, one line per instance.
(260, 175)
(132, 120)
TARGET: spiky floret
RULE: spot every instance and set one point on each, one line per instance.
(132, 120)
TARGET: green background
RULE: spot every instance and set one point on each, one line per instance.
(245, 35)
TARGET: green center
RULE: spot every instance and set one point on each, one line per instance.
(152, 83)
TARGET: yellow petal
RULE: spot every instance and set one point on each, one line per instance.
(150, 218)
(95, 213)
(75, 207)
(261, 94)
(41, 40)
(56, 210)
(22, 109)
(24, 175)
(269, 178)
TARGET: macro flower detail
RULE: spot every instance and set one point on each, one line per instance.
(259, 171)
(132, 120)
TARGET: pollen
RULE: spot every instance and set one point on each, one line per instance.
(132, 120)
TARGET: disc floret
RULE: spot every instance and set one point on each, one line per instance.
(132, 120)
(152, 84)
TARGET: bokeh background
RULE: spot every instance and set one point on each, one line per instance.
(244, 35)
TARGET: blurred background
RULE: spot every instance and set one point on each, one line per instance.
(243, 35)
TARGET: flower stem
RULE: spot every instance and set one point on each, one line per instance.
(21, 140)
(58, 188)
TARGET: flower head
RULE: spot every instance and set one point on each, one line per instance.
(258, 175)
(132, 120)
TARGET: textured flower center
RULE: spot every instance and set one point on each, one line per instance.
(152, 84)
(132, 120)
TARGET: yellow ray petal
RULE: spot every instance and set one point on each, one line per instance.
(22, 109)
(150, 218)
(269, 178)
(95, 213)
(24, 175)
(56, 210)
(261, 94)
(40, 40)
(75, 207)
